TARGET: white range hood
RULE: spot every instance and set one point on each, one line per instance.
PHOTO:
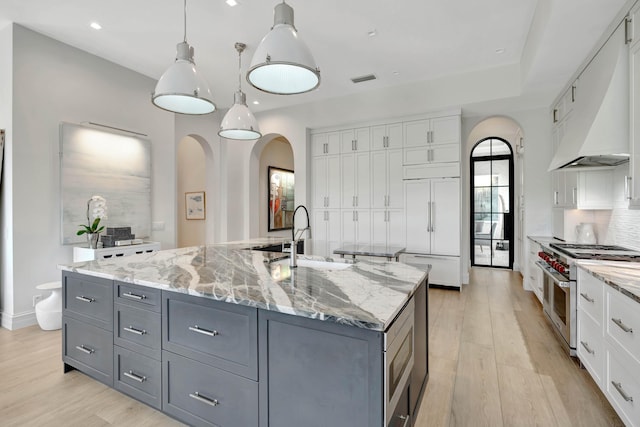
(597, 133)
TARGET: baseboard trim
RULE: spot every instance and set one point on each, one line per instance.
(18, 321)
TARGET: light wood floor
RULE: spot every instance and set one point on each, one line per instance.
(493, 362)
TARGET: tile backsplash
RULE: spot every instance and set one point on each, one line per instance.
(623, 228)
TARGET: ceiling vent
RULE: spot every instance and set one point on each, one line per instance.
(363, 78)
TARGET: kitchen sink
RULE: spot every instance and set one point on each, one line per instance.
(315, 264)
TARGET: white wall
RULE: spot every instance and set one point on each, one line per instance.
(54, 83)
(276, 153)
(191, 176)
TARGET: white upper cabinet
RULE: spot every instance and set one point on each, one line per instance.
(633, 182)
(439, 130)
(355, 140)
(326, 182)
(323, 144)
(386, 180)
(356, 180)
(385, 137)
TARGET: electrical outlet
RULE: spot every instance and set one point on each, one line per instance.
(36, 299)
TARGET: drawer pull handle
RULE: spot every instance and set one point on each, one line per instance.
(406, 419)
(135, 331)
(586, 347)
(200, 398)
(134, 377)
(139, 252)
(119, 254)
(624, 395)
(622, 325)
(134, 296)
(106, 256)
(85, 299)
(585, 296)
(202, 331)
(84, 349)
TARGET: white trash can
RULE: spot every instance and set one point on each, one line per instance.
(49, 310)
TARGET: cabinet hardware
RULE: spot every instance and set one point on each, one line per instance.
(433, 217)
(389, 200)
(429, 224)
(135, 330)
(624, 395)
(203, 331)
(628, 37)
(85, 299)
(325, 215)
(356, 212)
(353, 145)
(574, 195)
(200, 398)
(356, 144)
(134, 377)
(353, 200)
(555, 115)
(555, 197)
(585, 296)
(586, 347)
(134, 296)
(621, 325)
(573, 93)
(84, 349)
(406, 419)
(357, 201)
(385, 141)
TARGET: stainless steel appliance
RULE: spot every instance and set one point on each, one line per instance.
(557, 262)
(398, 363)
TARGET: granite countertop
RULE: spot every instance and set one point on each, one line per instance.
(623, 276)
(545, 240)
(367, 294)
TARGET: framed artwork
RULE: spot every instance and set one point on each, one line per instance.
(281, 198)
(194, 205)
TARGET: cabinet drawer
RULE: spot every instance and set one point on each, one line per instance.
(90, 298)
(220, 334)
(138, 330)
(591, 346)
(591, 296)
(201, 395)
(445, 270)
(138, 376)
(89, 349)
(137, 296)
(623, 386)
(434, 154)
(623, 323)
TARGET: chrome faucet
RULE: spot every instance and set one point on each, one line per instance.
(298, 233)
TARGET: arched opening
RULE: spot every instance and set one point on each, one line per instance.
(194, 176)
(492, 203)
(276, 154)
(270, 150)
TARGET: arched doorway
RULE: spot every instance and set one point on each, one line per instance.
(492, 203)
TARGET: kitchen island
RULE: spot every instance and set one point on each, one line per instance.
(228, 335)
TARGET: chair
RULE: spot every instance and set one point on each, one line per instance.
(482, 236)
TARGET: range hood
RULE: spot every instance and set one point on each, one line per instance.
(597, 133)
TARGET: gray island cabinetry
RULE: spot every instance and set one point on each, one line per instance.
(266, 346)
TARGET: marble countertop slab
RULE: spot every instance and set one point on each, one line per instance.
(367, 294)
(546, 240)
(623, 276)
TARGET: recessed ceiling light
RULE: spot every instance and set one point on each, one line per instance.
(256, 102)
(500, 51)
(96, 26)
(231, 3)
(372, 33)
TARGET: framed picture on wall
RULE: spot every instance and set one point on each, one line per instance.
(281, 198)
(194, 205)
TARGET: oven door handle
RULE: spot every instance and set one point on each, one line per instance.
(557, 278)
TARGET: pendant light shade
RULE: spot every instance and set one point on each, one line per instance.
(239, 122)
(282, 63)
(181, 89)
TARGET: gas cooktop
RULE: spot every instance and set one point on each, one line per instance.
(597, 252)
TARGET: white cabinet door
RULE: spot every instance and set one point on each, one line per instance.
(320, 182)
(355, 140)
(395, 183)
(356, 185)
(634, 166)
(445, 216)
(348, 226)
(348, 177)
(363, 180)
(333, 226)
(416, 133)
(326, 231)
(595, 189)
(333, 182)
(396, 228)
(417, 198)
(379, 227)
(378, 179)
(394, 136)
(445, 130)
(363, 226)
(318, 144)
(385, 137)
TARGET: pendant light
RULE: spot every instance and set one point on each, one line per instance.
(239, 122)
(181, 89)
(282, 64)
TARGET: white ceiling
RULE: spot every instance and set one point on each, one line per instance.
(416, 39)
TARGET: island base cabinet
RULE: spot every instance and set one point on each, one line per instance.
(315, 373)
(88, 349)
(138, 376)
(202, 395)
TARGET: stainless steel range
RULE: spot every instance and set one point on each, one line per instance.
(557, 262)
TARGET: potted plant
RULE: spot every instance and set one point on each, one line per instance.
(93, 228)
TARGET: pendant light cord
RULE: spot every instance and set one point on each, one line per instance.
(240, 70)
(185, 21)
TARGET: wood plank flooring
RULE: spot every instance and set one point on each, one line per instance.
(493, 361)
